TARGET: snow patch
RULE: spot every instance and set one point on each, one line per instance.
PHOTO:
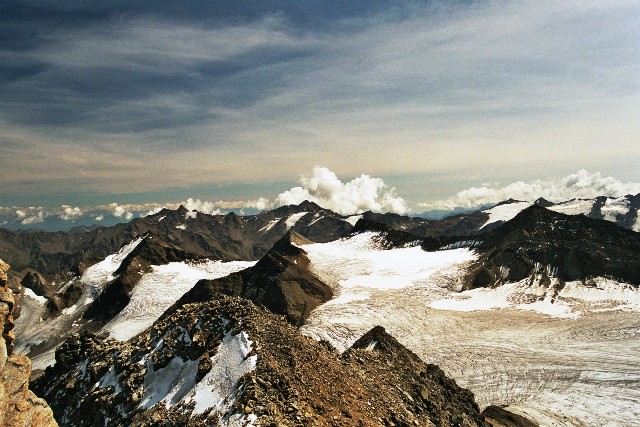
(574, 207)
(181, 227)
(159, 289)
(317, 217)
(37, 298)
(176, 382)
(353, 219)
(109, 379)
(614, 207)
(357, 262)
(270, 225)
(98, 275)
(293, 219)
(504, 212)
(572, 301)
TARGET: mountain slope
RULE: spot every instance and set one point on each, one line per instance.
(229, 362)
(570, 247)
(280, 281)
(622, 211)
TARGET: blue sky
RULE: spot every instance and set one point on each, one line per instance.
(112, 101)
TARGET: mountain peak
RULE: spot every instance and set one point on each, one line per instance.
(575, 246)
(310, 206)
(541, 201)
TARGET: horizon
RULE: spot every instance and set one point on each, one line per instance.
(325, 189)
(413, 107)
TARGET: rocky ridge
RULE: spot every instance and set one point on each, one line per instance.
(281, 378)
(539, 241)
(280, 281)
(19, 407)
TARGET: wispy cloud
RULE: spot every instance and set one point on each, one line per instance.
(107, 98)
(582, 184)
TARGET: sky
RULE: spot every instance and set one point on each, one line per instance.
(397, 106)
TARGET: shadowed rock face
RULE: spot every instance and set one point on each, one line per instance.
(571, 247)
(19, 407)
(280, 281)
(295, 380)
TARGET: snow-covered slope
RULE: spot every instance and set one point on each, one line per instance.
(608, 208)
(162, 287)
(155, 292)
(562, 356)
(504, 212)
(34, 333)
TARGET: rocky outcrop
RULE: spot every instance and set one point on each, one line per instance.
(227, 362)
(280, 281)
(19, 407)
(539, 241)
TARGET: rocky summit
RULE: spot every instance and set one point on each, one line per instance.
(228, 362)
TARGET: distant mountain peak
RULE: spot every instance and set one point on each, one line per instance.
(310, 206)
(541, 201)
(508, 202)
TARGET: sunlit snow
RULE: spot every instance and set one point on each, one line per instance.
(504, 212)
(33, 331)
(270, 225)
(293, 219)
(176, 382)
(353, 219)
(570, 301)
(614, 207)
(158, 290)
(574, 207)
(565, 357)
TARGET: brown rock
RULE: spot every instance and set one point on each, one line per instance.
(19, 407)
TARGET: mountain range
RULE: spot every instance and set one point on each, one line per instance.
(147, 323)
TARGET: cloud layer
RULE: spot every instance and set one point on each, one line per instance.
(322, 186)
(582, 184)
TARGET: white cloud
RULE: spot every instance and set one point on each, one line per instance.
(121, 211)
(363, 193)
(582, 184)
(99, 218)
(200, 206)
(69, 213)
(34, 219)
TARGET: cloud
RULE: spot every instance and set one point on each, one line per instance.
(200, 206)
(120, 212)
(34, 219)
(582, 184)
(99, 218)
(437, 86)
(70, 214)
(363, 193)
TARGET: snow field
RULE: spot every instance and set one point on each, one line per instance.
(572, 362)
(504, 212)
(162, 287)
